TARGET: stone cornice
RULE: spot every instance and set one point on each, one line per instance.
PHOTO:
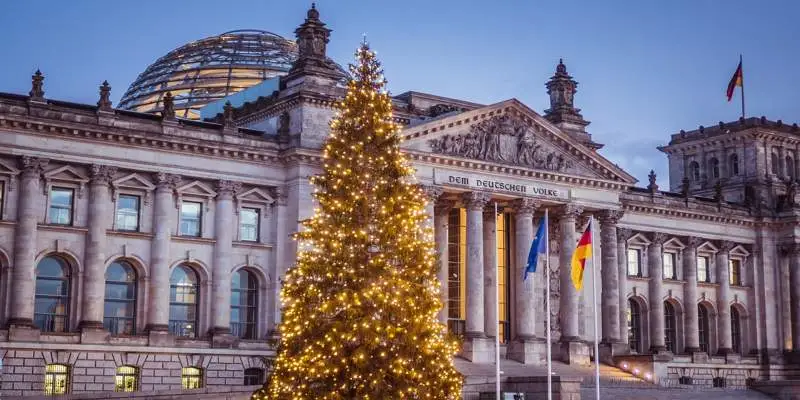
(682, 212)
(784, 136)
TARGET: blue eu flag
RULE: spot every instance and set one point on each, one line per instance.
(538, 247)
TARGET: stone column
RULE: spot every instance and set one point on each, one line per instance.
(691, 334)
(441, 222)
(432, 193)
(475, 202)
(793, 252)
(221, 269)
(781, 163)
(281, 263)
(490, 271)
(477, 348)
(655, 297)
(610, 278)
(569, 296)
(93, 295)
(23, 271)
(623, 234)
(525, 347)
(163, 209)
(724, 299)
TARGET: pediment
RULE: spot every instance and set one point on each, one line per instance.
(133, 181)
(196, 188)
(255, 195)
(707, 247)
(66, 174)
(511, 133)
(639, 239)
(674, 244)
(739, 251)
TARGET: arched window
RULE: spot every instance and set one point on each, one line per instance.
(127, 379)
(734, 161)
(775, 164)
(120, 305)
(713, 165)
(736, 331)
(183, 294)
(253, 376)
(669, 327)
(634, 325)
(56, 379)
(244, 304)
(702, 327)
(790, 167)
(694, 171)
(51, 312)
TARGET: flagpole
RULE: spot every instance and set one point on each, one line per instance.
(594, 308)
(547, 303)
(497, 313)
(742, 78)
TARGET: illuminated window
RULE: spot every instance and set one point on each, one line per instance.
(735, 272)
(61, 206)
(634, 326)
(56, 379)
(183, 302)
(249, 224)
(51, 309)
(253, 376)
(190, 218)
(191, 378)
(702, 269)
(669, 327)
(127, 213)
(127, 379)
(702, 327)
(456, 284)
(244, 304)
(669, 266)
(120, 302)
(502, 278)
(634, 262)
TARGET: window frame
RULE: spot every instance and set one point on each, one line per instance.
(735, 279)
(71, 208)
(694, 171)
(173, 329)
(139, 203)
(775, 159)
(258, 212)
(703, 328)
(639, 273)
(733, 160)
(199, 218)
(707, 269)
(713, 165)
(259, 376)
(736, 330)
(66, 299)
(635, 325)
(3, 196)
(673, 257)
(53, 375)
(246, 309)
(187, 379)
(670, 327)
(789, 164)
(132, 302)
(120, 383)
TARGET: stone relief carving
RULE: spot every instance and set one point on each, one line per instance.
(503, 139)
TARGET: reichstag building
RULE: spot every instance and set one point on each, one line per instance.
(142, 245)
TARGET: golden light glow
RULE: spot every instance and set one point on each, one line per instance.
(360, 307)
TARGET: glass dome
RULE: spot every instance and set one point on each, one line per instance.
(207, 70)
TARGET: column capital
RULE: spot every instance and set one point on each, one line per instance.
(693, 242)
(570, 210)
(725, 246)
(431, 192)
(475, 201)
(102, 174)
(281, 194)
(227, 188)
(791, 249)
(166, 181)
(33, 165)
(623, 234)
(610, 217)
(525, 205)
(658, 238)
(443, 205)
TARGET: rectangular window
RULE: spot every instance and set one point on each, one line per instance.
(702, 269)
(669, 266)
(735, 272)
(56, 379)
(456, 263)
(61, 206)
(191, 213)
(126, 379)
(249, 224)
(634, 262)
(128, 213)
(191, 378)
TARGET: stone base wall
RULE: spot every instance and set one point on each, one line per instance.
(23, 372)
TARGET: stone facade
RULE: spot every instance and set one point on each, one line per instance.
(191, 209)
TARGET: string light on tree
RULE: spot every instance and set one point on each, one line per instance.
(360, 308)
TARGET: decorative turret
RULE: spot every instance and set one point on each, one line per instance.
(104, 104)
(562, 88)
(312, 40)
(37, 87)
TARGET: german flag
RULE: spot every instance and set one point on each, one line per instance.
(582, 253)
(736, 80)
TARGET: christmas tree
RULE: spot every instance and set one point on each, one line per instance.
(360, 306)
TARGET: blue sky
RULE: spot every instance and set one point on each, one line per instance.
(645, 69)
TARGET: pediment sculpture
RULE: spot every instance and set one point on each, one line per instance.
(503, 139)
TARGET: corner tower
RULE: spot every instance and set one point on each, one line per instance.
(562, 112)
